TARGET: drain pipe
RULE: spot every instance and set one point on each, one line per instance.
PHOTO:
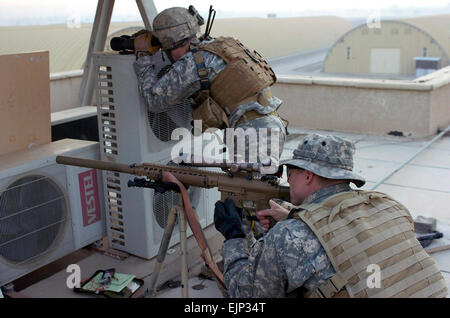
(412, 158)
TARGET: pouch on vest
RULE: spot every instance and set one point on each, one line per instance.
(211, 115)
(244, 76)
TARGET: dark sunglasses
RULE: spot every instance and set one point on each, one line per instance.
(289, 170)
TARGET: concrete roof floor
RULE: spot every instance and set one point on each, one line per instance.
(423, 186)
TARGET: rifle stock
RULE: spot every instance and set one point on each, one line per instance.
(245, 193)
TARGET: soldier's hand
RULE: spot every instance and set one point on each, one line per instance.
(141, 43)
(276, 211)
(146, 42)
(227, 220)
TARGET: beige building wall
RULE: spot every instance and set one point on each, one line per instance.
(411, 108)
(64, 90)
(440, 106)
(389, 49)
(415, 108)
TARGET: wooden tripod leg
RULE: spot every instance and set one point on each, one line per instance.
(183, 244)
(162, 250)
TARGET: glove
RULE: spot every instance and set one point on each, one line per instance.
(227, 220)
(146, 41)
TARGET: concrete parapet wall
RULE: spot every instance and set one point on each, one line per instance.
(413, 108)
(64, 88)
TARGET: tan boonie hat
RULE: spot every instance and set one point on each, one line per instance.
(330, 157)
(173, 25)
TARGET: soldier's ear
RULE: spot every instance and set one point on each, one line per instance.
(308, 176)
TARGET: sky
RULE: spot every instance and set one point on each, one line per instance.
(16, 12)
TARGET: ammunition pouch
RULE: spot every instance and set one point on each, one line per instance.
(211, 115)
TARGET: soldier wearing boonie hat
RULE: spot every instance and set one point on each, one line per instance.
(323, 247)
(330, 157)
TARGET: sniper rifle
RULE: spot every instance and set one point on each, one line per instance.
(249, 193)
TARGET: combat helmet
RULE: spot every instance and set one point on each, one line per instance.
(175, 24)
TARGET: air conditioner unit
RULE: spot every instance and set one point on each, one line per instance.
(129, 133)
(47, 210)
(426, 65)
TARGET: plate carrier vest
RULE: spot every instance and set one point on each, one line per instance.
(360, 228)
(245, 75)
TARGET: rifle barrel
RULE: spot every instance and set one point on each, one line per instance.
(188, 176)
(95, 164)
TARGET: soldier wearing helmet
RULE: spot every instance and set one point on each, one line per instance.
(229, 85)
(174, 28)
(332, 243)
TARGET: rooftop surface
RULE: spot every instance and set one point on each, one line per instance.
(423, 186)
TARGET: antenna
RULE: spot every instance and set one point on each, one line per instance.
(211, 17)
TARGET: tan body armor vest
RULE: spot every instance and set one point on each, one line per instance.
(361, 228)
(245, 75)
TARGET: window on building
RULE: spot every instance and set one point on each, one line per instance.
(424, 51)
(348, 53)
(394, 31)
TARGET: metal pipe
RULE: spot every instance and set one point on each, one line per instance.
(412, 158)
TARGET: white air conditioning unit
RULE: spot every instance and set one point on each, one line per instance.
(128, 133)
(47, 210)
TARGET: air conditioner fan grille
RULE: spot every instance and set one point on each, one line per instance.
(32, 213)
(164, 123)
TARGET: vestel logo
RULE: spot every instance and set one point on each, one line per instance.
(89, 197)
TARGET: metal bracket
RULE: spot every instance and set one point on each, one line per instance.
(97, 42)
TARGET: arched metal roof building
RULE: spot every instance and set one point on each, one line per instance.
(392, 47)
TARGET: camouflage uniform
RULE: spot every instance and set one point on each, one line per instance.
(181, 81)
(173, 27)
(357, 228)
(289, 256)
